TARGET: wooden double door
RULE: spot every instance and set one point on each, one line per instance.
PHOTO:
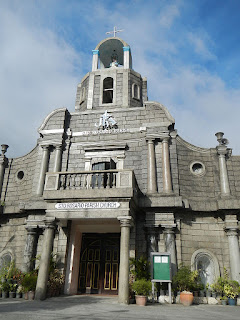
(99, 263)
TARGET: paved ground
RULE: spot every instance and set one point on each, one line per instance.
(107, 308)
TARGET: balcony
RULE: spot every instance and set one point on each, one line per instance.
(89, 184)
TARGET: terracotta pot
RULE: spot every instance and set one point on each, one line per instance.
(31, 295)
(26, 295)
(186, 298)
(141, 300)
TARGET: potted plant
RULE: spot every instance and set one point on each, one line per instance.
(29, 285)
(231, 290)
(5, 289)
(141, 288)
(185, 281)
(140, 284)
(19, 292)
(12, 290)
(224, 300)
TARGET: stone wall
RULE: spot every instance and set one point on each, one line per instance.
(18, 178)
(13, 237)
(202, 231)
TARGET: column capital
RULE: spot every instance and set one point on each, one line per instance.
(3, 160)
(169, 228)
(50, 223)
(45, 146)
(165, 139)
(231, 231)
(222, 150)
(125, 221)
(58, 146)
(150, 139)
(31, 229)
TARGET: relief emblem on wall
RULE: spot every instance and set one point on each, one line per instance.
(106, 122)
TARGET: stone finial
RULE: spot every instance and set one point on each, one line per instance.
(222, 141)
(4, 148)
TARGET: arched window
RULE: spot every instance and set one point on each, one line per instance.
(207, 265)
(108, 90)
(5, 260)
(135, 91)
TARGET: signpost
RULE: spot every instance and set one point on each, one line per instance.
(161, 270)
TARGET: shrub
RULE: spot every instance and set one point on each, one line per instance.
(142, 287)
(186, 280)
(29, 281)
(140, 268)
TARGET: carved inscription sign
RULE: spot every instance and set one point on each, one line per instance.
(87, 205)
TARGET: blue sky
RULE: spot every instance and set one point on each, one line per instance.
(188, 50)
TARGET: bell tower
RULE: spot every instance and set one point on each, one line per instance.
(112, 83)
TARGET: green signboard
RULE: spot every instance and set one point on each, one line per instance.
(161, 266)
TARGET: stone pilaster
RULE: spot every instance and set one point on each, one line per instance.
(167, 180)
(170, 244)
(233, 242)
(123, 288)
(126, 57)
(41, 288)
(3, 161)
(95, 60)
(151, 182)
(58, 159)
(30, 248)
(224, 183)
(43, 170)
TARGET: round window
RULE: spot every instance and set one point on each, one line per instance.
(20, 175)
(197, 168)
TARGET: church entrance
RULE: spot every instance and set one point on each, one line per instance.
(99, 263)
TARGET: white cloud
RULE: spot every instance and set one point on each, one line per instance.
(167, 15)
(200, 46)
(37, 75)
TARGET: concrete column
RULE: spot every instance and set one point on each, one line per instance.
(152, 182)
(58, 159)
(95, 60)
(123, 287)
(152, 241)
(170, 244)
(126, 57)
(2, 171)
(224, 183)
(41, 288)
(43, 170)
(30, 248)
(233, 242)
(167, 181)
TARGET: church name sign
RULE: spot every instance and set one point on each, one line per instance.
(87, 205)
(96, 132)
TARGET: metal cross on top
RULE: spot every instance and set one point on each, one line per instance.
(114, 31)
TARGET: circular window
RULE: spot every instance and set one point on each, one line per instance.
(197, 168)
(20, 175)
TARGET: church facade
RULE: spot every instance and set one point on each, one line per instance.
(114, 180)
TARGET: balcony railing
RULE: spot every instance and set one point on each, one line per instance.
(83, 180)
